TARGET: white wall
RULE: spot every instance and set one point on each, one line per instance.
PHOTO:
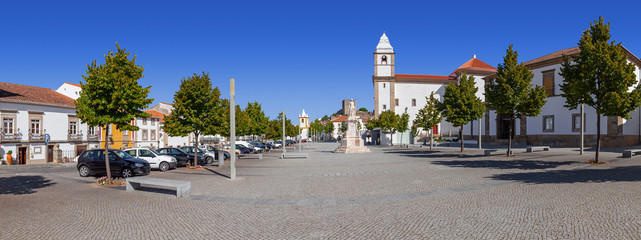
(384, 96)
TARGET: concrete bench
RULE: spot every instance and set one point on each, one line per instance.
(629, 153)
(251, 156)
(293, 155)
(489, 152)
(183, 188)
(539, 148)
(290, 148)
(309, 147)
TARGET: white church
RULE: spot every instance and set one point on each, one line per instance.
(556, 125)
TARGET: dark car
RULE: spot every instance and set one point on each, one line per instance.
(290, 142)
(92, 162)
(202, 158)
(181, 156)
(243, 149)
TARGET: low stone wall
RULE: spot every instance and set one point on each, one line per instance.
(563, 140)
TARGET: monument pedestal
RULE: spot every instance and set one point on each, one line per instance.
(352, 145)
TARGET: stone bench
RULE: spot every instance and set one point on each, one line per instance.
(251, 156)
(309, 147)
(183, 188)
(290, 148)
(293, 155)
(539, 148)
(631, 152)
(489, 152)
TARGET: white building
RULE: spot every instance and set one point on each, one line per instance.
(35, 120)
(303, 125)
(407, 92)
(149, 132)
(338, 121)
(159, 111)
(557, 125)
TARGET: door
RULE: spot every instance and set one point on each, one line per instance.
(149, 157)
(49, 153)
(22, 155)
(503, 127)
(80, 149)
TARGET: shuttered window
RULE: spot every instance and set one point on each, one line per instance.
(548, 82)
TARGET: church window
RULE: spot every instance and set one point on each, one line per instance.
(396, 102)
(384, 106)
(548, 82)
(383, 85)
(384, 59)
(413, 102)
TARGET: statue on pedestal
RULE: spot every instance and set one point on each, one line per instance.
(352, 143)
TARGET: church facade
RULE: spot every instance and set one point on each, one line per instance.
(556, 125)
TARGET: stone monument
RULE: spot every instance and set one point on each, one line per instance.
(352, 142)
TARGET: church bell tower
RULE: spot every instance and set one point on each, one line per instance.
(384, 58)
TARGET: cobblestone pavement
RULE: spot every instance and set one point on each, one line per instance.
(388, 193)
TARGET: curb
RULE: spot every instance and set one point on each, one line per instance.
(37, 166)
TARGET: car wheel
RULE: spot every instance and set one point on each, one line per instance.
(164, 166)
(127, 173)
(209, 160)
(84, 171)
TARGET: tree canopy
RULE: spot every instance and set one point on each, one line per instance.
(388, 122)
(429, 116)
(511, 93)
(111, 95)
(461, 105)
(403, 123)
(600, 76)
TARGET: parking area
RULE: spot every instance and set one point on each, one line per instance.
(388, 193)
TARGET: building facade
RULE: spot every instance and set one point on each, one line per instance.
(406, 93)
(37, 122)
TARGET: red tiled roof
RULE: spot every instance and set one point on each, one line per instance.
(414, 76)
(340, 119)
(31, 94)
(156, 114)
(554, 55)
(73, 84)
(474, 64)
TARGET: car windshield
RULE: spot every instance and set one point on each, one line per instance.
(120, 153)
(154, 151)
(191, 150)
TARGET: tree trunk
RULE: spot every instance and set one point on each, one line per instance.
(425, 141)
(460, 134)
(431, 138)
(107, 153)
(509, 137)
(598, 137)
(391, 138)
(195, 151)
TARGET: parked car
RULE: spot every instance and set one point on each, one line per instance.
(92, 162)
(155, 159)
(214, 150)
(243, 149)
(181, 156)
(207, 158)
(290, 142)
(249, 145)
(275, 144)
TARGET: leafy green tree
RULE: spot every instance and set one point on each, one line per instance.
(243, 122)
(362, 109)
(197, 109)
(111, 95)
(511, 93)
(388, 122)
(329, 128)
(316, 127)
(325, 119)
(414, 131)
(403, 123)
(371, 124)
(461, 105)
(601, 77)
(274, 130)
(343, 128)
(429, 116)
(257, 119)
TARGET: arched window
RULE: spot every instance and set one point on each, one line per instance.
(384, 60)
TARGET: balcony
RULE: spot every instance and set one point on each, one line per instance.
(36, 137)
(74, 136)
(93, 137)
(15, 136)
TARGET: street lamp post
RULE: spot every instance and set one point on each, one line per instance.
(232, 120)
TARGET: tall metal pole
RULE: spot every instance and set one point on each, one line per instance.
(582, 129)
(232, 120)
(480, 132)
(284, 140)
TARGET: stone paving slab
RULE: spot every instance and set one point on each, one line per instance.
(390, 193)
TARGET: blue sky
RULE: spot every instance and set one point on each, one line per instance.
(288, 55)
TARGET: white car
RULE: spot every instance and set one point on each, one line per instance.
(156, 161)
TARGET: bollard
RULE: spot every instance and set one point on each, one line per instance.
(221, 158)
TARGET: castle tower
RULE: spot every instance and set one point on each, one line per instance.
(383, 78)
(303, 123)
